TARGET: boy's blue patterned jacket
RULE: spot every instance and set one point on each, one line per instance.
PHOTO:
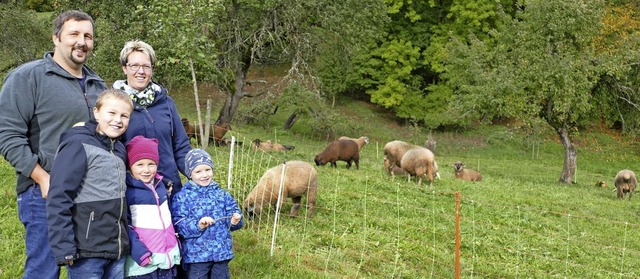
(214, 243)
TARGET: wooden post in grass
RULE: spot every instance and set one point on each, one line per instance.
(230, 174)
(207, 126)
(457, 235)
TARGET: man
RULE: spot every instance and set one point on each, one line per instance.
(38, 101)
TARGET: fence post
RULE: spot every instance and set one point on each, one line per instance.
(457, 235)
(275, 220)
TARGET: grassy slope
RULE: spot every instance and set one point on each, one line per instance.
(517, 223)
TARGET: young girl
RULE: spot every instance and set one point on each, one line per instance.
(86, 208)
(154, 246)
(205, 215)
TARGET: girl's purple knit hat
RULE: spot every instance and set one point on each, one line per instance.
(139, 148)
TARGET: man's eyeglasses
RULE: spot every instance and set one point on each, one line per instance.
(137, 67)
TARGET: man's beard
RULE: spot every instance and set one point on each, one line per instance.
(79, 61)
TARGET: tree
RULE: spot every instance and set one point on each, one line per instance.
(247, 32)
(543, 66)
(26, 36)
(402, 70)
(619, 87)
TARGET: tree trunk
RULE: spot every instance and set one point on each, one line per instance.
(570, 156)
(236, 94)
(290, 121)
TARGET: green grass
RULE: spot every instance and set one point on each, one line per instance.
(517, 223)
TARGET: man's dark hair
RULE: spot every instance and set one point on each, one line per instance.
(69, 15)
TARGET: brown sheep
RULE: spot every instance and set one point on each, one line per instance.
(419, 162)
(465, 174)
(189, 128)
(339, 150)
(625, 182)
(218, 133)
(193, 131)
(394, 169)
(268, 146)
(394, 151)
(361, 141)
(300, 178)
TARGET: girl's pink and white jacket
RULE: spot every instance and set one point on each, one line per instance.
(153, 239)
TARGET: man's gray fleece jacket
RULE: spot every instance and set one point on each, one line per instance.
(40, 100)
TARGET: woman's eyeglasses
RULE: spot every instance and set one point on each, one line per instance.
(136, 67)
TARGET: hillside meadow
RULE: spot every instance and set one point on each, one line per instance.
(517, 223)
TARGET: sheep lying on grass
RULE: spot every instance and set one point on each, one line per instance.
(625, 182)
(465, 174)
(339, 150)
(300, 178)
(268, 146)
(361, 141)
(419, 162)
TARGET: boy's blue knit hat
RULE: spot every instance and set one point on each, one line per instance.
(196, 157)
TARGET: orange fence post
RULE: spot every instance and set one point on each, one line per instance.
(457, 235)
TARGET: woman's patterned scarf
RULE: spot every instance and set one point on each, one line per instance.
(144, 97)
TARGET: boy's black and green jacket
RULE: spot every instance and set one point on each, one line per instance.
(86, 207)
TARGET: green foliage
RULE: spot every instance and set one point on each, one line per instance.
(386, 71)
(40, 5)
(543, 69)
(404, 67)
(183, 32)
(26, 36)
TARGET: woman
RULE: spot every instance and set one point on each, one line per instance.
(155, 114)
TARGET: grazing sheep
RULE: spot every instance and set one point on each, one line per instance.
(218, 133)
(339, 150)
(361, 141)
(193, 131)
(625, 182)
(419, 162)
(300, 178)
(465, 174)
(189, 128)
(394, 169)
(268, 146)
(394, 151)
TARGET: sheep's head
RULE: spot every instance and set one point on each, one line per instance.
(249, 206)
(366, 140)
(257, 142)
(386, 162)
(318, 161)
(458, 166)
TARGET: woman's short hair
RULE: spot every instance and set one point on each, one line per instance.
(140, 46)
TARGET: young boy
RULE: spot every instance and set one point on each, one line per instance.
(154, 246)
(205, 215)
(86, 208)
